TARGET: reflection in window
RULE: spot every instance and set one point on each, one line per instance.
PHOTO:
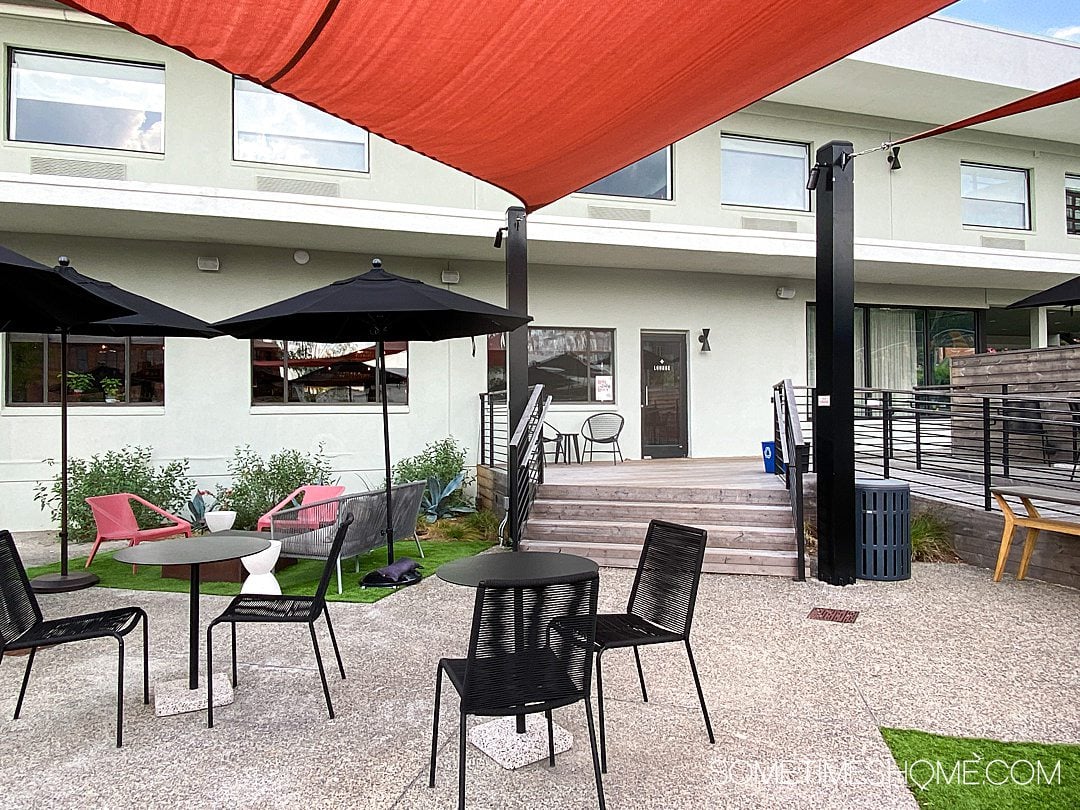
(765, 174)
(100, 370)
(86, 102)
(567, 362)
(271, 128)
(1072, 204)
(286, 372)
(648, 178)
(994, 197)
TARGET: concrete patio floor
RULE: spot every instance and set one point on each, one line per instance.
(795, 703)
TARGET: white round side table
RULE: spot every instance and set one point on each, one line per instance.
(260, 567)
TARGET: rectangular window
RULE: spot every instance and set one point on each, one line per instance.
(271, 128)
(994, 197)
(1072, 204)
(80, 101)
(763, 173)
(648, 178)
(113, 370)
(295, 372)
(567, 362)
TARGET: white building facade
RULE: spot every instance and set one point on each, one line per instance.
(179, 182)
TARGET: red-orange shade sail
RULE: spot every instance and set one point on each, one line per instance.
(537, 97)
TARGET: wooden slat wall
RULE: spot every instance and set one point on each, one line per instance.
(1054, 370)
(491, 489)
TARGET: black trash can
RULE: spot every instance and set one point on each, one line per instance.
(882, 529)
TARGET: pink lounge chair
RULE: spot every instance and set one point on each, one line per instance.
(116, 521)
(309, 494)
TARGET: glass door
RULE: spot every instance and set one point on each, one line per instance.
(663, 396)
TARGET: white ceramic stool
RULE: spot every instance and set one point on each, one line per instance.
(260, 567)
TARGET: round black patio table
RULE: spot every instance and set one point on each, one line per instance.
(471, 571)
(521, 565)
(193, 552)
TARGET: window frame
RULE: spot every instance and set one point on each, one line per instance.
(1029, 219)
(9, 135)
(366, 171)
(805, 145)
(670, 148)
(1072, 224)
(46, 342)
(285, 401)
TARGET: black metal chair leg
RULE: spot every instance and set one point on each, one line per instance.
(595, 759)
(120, 694)
(700, 694)
(333, 640)
(461, 764)
(210, 676)
(322, 671)
(435, 726)
(235, 680)
(641, 675)
(146, 658)
(600, 708)
(25, 681)
(551, 739)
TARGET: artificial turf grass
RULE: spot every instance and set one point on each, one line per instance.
(971, 786)
(296, 580)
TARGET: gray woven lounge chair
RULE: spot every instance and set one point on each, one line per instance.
(307, 532)
(406, 505)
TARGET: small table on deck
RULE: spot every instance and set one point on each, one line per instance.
(174, 697)
(515, 742)
(1033, 521)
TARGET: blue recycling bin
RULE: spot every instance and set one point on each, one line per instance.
(768, 455)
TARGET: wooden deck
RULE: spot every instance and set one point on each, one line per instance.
(602, 511)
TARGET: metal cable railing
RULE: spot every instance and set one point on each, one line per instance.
(525, 463)
(791, 459)
(494, 429)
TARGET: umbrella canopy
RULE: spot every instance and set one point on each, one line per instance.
(1066, 294)
(377, 306)
(538, 98)
(38, 298)
(60, 299)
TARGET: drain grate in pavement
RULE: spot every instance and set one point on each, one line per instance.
(831, 615)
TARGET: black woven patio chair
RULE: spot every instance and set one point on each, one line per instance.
(259, 608)
(603, 429)
(22, 627)
(660, 609)
(530, 650)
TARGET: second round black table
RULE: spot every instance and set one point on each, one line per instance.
(471, 571)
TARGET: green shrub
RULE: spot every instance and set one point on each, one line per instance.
(931, 538)
(484, 524)
(128, 469)
(258, 484)
(444, 460)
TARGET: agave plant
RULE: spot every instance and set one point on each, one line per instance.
(437, 499)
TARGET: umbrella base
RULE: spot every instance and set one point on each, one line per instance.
(59, 583)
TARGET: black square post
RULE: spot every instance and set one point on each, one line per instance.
(517, 301)
(834, 432)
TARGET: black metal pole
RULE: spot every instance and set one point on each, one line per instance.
(517, 301)
(193, 629)
(386, 450)
(834, 433)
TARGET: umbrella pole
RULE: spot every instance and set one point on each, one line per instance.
(386, 451)
(58, 583)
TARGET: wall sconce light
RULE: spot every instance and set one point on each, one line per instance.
(208, 264)
(894, 159)
(785, 293)
(451, 276)
(703, 339)
(301, 256)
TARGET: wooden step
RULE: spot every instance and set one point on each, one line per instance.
(718, 560)
(775, 538)
(667, 494)
(690, 513)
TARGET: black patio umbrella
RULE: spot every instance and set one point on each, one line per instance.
(376, 306)
(60, 299)
(1066, 294)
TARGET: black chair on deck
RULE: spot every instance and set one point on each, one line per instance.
(530, 650)
(258, 608)
(660, 610)
(22, 627)
(603, 429)
(1023, 432)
